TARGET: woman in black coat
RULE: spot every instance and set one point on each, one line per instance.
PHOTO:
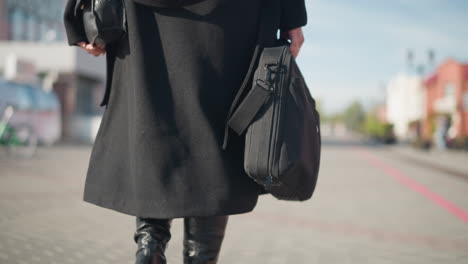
(170, 82)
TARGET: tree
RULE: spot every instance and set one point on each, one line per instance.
(354, 116)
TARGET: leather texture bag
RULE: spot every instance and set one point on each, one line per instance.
(104, 21)
(281, 125)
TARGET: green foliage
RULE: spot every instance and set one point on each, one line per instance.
(354, 116)
(376, 129)
(356, 119)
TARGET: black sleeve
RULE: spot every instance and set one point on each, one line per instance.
(293, 14)
(73, 23)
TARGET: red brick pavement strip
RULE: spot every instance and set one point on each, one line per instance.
(349, 229)
(413, 185)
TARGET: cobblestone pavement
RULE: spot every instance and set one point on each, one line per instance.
(369, 207)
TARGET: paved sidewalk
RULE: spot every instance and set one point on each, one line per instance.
(450, 161)
(359, 213)
(454, 162)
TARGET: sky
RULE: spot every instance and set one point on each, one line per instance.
(353, 48)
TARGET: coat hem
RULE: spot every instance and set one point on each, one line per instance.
(146, 211)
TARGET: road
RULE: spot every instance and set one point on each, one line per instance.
(370, 206)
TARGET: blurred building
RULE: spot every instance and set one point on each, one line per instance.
(31, 20)
(33, 43)
(447, 96)
(405, 102)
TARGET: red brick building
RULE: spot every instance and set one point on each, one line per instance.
(447, 95)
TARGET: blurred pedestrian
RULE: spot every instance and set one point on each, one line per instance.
(441, 131)
(170, 82)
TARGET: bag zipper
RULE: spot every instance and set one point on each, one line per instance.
(278, 91)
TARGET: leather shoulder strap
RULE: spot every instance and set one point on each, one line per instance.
(263, 38)
(245, 83)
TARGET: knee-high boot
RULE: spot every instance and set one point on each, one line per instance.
(203, 237)
(152, 236)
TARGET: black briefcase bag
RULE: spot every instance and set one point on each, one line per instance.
(281, 125)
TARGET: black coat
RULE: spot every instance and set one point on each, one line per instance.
(170, 84)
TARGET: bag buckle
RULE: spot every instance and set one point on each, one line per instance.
(271, 69)
(271, 66)
(265, 85)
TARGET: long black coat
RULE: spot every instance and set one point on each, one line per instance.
(170, 83)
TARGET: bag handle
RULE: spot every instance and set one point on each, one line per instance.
(250, 106)
(264, 39)
(247, 78)
(268, 73)
(266, 8)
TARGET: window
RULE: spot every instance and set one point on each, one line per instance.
(31, 32)
(33, 20)
(465, 101)
(18, 24)
(449, 90)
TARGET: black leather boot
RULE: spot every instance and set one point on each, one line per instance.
(203, 237)
(152, 236)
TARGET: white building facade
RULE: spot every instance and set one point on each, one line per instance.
(405, 100)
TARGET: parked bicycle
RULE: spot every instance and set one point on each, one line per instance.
(19, 140)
